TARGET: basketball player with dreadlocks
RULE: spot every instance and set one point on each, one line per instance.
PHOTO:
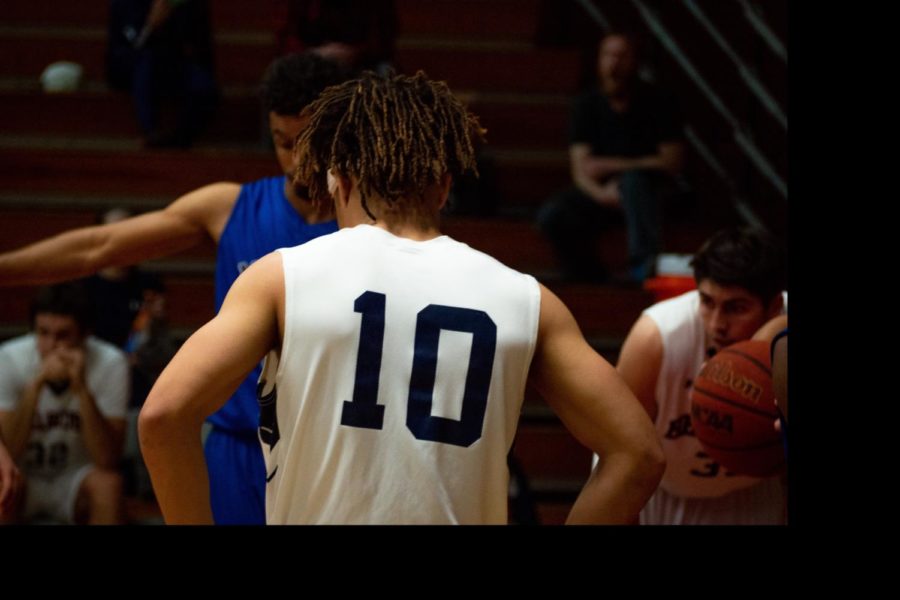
(397, 357)
(246, 222)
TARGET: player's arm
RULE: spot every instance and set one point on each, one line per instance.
(601, 412)
(198, 381)
(17, 406)
(104, 436)
(780, 373)
(640, 361)
(10, 481)
(669, 158)
(767, 332)
(585, 176)
(181, 225)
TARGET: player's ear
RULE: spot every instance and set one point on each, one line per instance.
(340, 187)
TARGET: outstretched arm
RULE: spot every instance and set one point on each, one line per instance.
(181, 225)
(602, 413)
(198, 381)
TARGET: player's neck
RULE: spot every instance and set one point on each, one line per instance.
(411, 230)
(413, 226)
(311, 212)
(412, 218)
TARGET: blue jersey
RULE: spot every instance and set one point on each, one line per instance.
(261, 221)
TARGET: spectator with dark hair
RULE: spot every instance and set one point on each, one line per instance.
(740, 278)
(161, 51)
(357, 34)
(624, 147)
(63, 397)
(246, 222)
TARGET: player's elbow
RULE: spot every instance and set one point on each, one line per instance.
(160, 421)
(152, 424)
(647, 464)
(99, 253)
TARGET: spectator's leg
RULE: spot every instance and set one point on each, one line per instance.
(572, 222)
(641, 203)
(100, 498)
(143, 92)
(196, 103)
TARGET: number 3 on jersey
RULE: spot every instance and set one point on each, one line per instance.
(364, 410)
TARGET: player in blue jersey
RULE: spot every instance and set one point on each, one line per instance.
(246, 222)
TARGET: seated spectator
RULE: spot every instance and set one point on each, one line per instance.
(63, 397)
(151, 345)
(161, 51)
(625, 145)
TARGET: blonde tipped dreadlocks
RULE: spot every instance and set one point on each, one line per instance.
(395, 135)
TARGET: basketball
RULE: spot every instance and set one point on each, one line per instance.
(733, 410)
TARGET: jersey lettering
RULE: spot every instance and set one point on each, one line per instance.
(679, 427)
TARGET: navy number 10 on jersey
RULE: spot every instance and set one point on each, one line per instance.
(364, 410)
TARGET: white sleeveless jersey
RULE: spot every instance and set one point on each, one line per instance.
(690, 472)
(400, 381)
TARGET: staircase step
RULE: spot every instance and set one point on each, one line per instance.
(116, 165)
(524, 70)
(468, 19)
(225, 14)
(238, 117)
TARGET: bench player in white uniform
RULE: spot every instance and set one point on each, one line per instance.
(403, 355)
(739, 274)
(63, 396)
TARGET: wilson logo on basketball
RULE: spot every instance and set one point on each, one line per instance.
(723, 375)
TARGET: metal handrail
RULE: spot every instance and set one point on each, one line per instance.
(741, 137)
(753, 15)
(749, 78)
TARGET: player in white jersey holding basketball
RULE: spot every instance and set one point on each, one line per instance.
(402, 355)
(739, 274)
